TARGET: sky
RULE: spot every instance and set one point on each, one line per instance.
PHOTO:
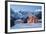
(17, 8)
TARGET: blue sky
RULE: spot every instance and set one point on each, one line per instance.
(17, 8)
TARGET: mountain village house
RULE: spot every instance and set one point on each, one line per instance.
(32, 19)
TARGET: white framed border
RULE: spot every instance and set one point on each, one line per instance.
(30, 29)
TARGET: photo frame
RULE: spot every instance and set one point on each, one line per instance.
(23, 16)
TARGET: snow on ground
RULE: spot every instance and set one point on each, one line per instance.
(27, 25)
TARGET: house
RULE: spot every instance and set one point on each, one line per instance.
(32, 19)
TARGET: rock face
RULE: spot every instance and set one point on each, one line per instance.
(32, 19)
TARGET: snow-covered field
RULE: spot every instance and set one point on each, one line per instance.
(27, 25)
